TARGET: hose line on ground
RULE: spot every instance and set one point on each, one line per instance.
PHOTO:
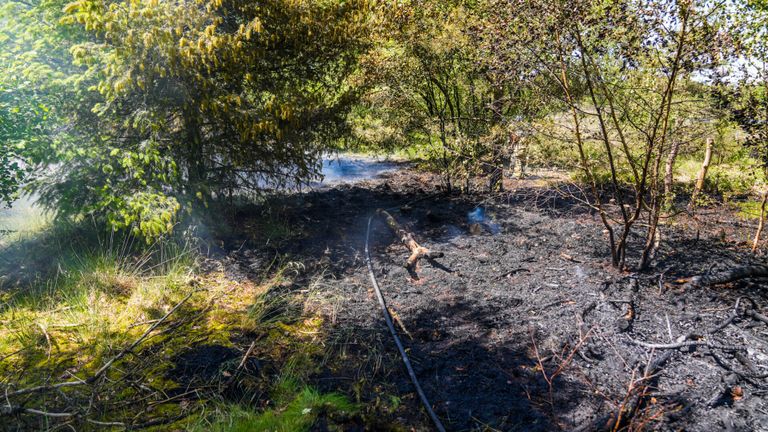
(398, 342)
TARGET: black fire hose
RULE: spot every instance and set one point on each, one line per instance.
(398, 342)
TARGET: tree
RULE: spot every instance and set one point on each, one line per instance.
(432, 86)
(178, 102)
(747, 97)
(32, 65)
(615, 68)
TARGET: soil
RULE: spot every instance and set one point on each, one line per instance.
(523, 325)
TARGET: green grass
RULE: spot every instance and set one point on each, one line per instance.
(738, 176)
(88, 306)
(83, 295)
(78, 297)
(297, 410)
(748, 209)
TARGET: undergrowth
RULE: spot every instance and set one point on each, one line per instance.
(74, 298)
(298, 409)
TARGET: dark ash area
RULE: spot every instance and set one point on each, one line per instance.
(533, 276)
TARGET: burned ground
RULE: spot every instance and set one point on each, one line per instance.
(523, 325)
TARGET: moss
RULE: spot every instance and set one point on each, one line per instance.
(99, 302)
(298, 414)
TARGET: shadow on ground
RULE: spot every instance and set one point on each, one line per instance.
(469, 337)
(535, 269)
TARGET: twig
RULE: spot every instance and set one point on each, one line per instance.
(758, 316)
(109, 363)
(683, 344)
(743, 374)
(564, 362)
(555, 303)
(130, 348)
(16, 409)
(246, 355)
(101, 423)
(399, 322)
(567, 257)
(141, 323)
(669, 327)
(47, 339)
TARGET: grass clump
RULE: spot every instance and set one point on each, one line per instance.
(297, 409)
(82, 300)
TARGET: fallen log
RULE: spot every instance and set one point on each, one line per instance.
(730, 275)
(417, 251)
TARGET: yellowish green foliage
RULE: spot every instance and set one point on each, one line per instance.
(170, 104)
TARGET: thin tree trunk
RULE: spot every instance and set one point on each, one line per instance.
(522, 158)
(669, 171)
(512, 157)
(702, 173)
(504, 160)
(446, 160)
(616, 258)
(761, 224)
(656, 202)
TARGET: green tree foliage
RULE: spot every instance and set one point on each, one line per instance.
(137, 111)
(431, 85)
(173, 103)
(620, 73)
(33, 61)
(746, 96)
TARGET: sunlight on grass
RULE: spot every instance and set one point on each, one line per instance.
(748, 209)
(97, 295)
(95, 303)
(296, 414)
(738, 176)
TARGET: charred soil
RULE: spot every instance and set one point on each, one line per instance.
(523, 325)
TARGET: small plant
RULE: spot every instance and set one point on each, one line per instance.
(565, 358)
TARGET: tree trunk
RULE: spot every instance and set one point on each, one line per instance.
(702, 173)
(522, 159)
(761, 223)
(615, 255)
(512, 153)
(669, 171)
(664, 112)
(503, 160)
(496, 178)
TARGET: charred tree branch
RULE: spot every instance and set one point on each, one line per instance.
(417, 251)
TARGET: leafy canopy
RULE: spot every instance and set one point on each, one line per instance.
(171, 104)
